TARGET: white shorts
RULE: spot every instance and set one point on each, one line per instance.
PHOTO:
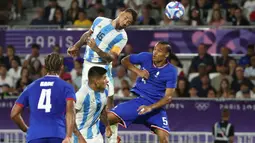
(96, 139)
(87, 65)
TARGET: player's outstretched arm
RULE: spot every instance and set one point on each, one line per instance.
(165, 100)
(104, 119)
(127, 64)
(70, 118)
(74, 50)
(17, 118)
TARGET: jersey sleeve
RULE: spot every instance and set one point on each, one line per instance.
(139, 58)
(171, 83)
(118, 47)
(96, 22)
(70, 93)
(23, 98)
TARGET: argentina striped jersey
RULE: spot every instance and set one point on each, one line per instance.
(89, 105)
(107, 38)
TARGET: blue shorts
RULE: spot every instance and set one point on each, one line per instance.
(127, 112)
(47, 140)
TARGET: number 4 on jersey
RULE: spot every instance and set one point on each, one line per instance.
(44, 100)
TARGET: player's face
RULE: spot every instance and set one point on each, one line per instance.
(160, 53)
(125, 19)
(102, 82)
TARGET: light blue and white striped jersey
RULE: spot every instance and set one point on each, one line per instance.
(89, 105)
(106, 37)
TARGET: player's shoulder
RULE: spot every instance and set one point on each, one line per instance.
(171, 68)
(147, 55)
(123, 33)
(103, 19)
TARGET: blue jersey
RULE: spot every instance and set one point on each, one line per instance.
(160, 78)
(107, 38)
(46, 99)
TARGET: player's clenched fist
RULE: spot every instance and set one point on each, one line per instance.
(143, 74)
(67, 140)
(73, 51)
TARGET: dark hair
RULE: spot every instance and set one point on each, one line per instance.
(35, 46)
(96, 72)
(53, 62)
(11, 47)
(133, 13)
(250, 46)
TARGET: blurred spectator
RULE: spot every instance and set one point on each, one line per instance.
(240, 79)
(217, 19)
(58, 18)
(195, 79)
(101, 13)
(223, 60)
(56, 49)
(2, 57)
(195, 19)
(120, 7)
(239, 18)
(182, 89)
(193, 92)
(176, 62)
(4, 77)
(124, 91)
(128, 49)
(132, 76)
(24, 80)
(232, 68)
(249, 6)
(211, 93)
(186, 3)
(146, 18)
(11, 56)
(77, 80)
(134, 4)
(230, 16)
(225, 89)
(73, 11)
(67, 77)
(35, 62)
(5, 91)
(216, 7)
(205, 86)
(166, 21)
(83, 20)
(39, 19)
(223, 74)
(245, 61)
(121, 75)
(15, 72)
(115, 64)
(245, 91)
(77, 67)
(50, 10)
(249, 72)
(4, 12)
(93, 11)
(203, 57)
(203, 6)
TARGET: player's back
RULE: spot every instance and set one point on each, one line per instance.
(47, 103)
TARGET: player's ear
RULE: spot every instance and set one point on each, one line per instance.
(167, 55)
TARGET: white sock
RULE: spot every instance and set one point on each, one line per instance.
(113, 138)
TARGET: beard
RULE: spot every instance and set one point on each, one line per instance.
(118, 27)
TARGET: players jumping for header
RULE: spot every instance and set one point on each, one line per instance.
(154, 89)
(104, 40)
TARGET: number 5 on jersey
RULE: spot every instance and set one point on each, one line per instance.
(44, 100)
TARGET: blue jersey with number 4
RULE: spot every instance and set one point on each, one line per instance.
(160, 78)
(46, 99)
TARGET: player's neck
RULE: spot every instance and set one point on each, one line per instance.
(160, 64)
(114, 23)
(52, 74)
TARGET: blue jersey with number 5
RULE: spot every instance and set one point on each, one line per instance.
(46, 99)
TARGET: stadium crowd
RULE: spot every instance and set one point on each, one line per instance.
(220, 77)
(151, 12)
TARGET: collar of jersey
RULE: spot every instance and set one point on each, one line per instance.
(51, 75)
(161, 66)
